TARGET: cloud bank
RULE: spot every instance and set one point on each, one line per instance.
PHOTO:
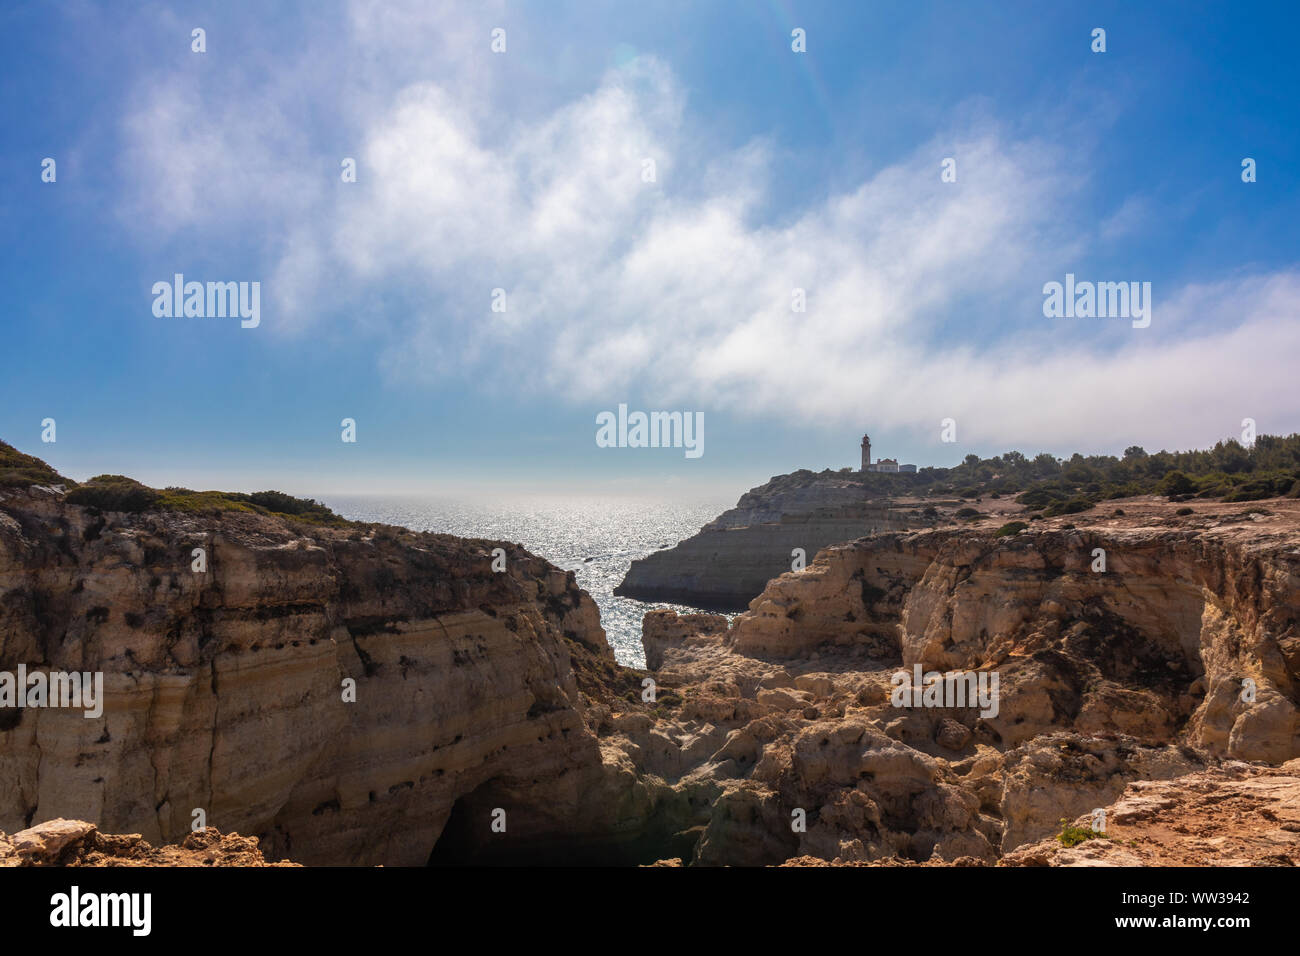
(923, 297)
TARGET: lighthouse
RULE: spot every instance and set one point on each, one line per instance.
(866, 452)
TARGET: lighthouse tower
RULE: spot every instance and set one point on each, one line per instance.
(866, 452)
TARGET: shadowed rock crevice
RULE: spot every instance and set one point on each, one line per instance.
(532, 837)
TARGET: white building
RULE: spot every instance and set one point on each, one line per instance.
(882, 464)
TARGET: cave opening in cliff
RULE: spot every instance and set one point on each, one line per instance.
(536, 837)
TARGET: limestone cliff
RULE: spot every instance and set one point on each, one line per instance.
(786, 742)
(731, 559)
(1140, 645)
(224, 689)
(1164, 636)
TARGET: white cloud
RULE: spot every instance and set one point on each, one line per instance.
(678, 291)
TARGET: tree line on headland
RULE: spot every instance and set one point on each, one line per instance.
(1229, 471)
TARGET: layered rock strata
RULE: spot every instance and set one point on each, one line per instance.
(368, 695)
(731, 559)
(1176, 652)
(336, 692)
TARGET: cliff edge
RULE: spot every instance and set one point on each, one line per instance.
(349, 694)
(731, 559)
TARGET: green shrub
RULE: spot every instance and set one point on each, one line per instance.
(1040, 497)
(184, 499)
(1247, 494)
(967, 513)
(1184, 511)
(114, 493)
(1071, 507)
(1010, 528)
(1175, 483)
(281, 503)
(18, 470)
(1258, 489)
(1073, 836)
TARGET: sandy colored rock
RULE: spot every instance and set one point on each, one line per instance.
(1108, 683)
(1234, 815)
(230, 691)
(731, 559)
(774, 738)
(78, 843)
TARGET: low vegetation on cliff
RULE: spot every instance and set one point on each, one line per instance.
(1230, 471)
(120, 493)
(1072, 835)
(19, 471)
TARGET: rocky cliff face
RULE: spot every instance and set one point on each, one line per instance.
(1163, 637)
(731, 559)
(484, 696)
(787, 743)
(226, 690)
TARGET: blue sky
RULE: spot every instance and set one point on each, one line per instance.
(522, 170)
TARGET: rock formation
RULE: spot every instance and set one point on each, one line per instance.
(1165, 635)
(361, 694)
(731, 559)
(78, 843)
(1234, 815)
(226, 689)
(1137, 672)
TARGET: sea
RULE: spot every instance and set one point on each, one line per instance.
(595, 537)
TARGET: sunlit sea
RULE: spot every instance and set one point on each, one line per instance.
(597, 538)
